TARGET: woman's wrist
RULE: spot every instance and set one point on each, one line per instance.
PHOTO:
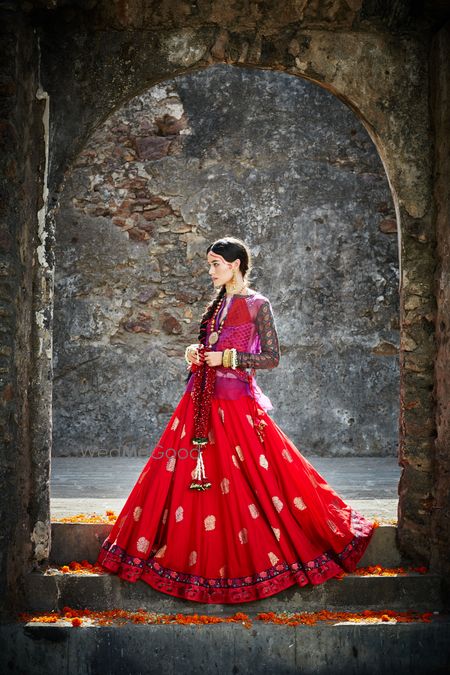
(188, 352)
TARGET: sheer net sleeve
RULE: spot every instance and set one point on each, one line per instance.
(270, 350)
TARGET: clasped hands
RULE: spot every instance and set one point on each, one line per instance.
(197, 353)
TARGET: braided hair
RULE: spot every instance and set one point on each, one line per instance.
(230, 248)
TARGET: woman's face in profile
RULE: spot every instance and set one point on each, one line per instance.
(220, 272)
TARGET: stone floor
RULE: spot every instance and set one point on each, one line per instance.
(93, 484)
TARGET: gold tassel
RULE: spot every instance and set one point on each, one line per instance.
(200, 482)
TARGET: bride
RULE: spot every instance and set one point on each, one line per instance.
(226, 509)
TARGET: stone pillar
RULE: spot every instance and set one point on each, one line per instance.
(22, 167)
(440, 108)
(417, 355)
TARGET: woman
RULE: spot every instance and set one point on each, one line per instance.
(227, 510)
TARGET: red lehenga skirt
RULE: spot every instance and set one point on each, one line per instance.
(268, 521)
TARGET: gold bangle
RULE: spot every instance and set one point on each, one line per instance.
(187, 351)
(226, 358)
(229, 358)
(233, 360)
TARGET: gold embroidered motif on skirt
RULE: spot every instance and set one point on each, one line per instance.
(287, 455)
(170, 466)
(253, 510)
(161, 551)
(273, 558)
(332, 526)
(137, 513)
(210, 522)
(225, 486)
(179, 513)
(277, 503)
(263, 461)
(243, 536)
(299, 503)
(142, 544)
(276, 532)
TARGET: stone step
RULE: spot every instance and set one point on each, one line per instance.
(263, 649)
(82, 541)
(413, 591)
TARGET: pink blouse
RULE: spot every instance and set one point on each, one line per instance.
(250, 328)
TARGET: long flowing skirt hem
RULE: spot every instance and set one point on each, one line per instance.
(268, 521)
(266, 583)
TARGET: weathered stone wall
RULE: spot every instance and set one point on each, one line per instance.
(440, 58)
(265, 156)
(24, 505)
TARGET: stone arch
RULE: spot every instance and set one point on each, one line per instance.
(392, 114)
(366, 392)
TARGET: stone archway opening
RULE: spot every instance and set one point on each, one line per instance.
(67, 70)
(153, 186)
